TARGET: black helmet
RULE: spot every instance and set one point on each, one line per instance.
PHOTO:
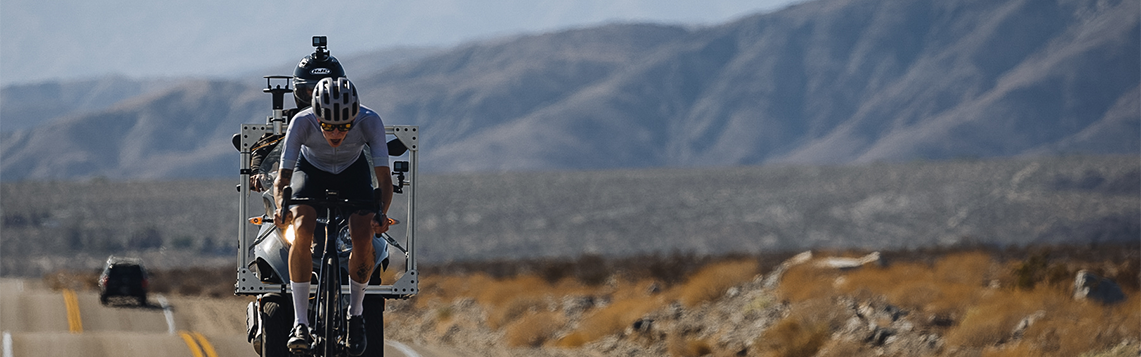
(311, 70)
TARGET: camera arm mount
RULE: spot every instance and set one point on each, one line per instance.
(278, 94)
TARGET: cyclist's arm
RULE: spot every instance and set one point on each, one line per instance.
(291, 150)
(284, 176)
(384, 179)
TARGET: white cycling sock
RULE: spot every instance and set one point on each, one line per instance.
(356, 297)
(300, 302)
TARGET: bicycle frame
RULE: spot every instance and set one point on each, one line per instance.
(328, 312)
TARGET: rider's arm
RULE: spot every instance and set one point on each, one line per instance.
(284, 176)
(373, 127)
(384, 179)
(290, 151)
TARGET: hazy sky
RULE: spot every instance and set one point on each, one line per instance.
(68, 39)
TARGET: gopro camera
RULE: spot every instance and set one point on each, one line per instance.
(320, 41)
(400, 166)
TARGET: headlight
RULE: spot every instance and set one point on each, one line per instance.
(344, 241)
(290, 234)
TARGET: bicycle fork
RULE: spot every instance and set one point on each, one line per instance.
(328, 308)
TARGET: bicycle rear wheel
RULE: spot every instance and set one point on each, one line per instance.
(329, 306)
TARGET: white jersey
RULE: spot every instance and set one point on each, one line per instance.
(304, 138)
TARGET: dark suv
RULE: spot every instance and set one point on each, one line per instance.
(123, 277)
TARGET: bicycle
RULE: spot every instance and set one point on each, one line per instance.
(328, 310)
(262, 257)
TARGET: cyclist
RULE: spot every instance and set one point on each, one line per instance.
(324, 149)
(313, 68)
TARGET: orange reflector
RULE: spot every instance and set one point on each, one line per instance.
(256, 220)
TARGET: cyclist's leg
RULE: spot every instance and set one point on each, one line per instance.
(356, 183)
(301, 261)
(306, 181)
(361, 260)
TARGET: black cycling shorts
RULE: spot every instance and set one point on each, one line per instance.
(354, 183)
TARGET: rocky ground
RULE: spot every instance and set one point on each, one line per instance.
(760, 317)
(1053, 302)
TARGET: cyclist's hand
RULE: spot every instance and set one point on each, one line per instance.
(380, 227)
(255, 183)
(282, 218)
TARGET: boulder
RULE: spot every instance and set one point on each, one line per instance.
(1093, 287)
(849, 263)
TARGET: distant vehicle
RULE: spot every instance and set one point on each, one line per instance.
(123, 277)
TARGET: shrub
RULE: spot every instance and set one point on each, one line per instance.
(806, 329)
(1071, 327)
(805, 282)
(534, 329)
(503, 313)
(993, 319)
(610, 319)
(712, 281)
(793, 337)
(842, 348)
(974, 268)
(682, 346)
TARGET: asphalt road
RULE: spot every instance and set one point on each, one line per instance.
(37, 321)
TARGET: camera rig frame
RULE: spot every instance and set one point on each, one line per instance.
(248, 282)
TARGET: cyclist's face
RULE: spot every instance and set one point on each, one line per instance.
(334, 137)
(308, 93)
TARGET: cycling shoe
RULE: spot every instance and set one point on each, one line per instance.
(358, 340)
(299, 339)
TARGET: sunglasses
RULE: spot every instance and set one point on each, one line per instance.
(341, 127)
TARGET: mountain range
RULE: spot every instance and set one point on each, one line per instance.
(826, 81)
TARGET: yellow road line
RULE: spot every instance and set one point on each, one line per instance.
(190, 343)
(197, 344)
(206, 346)
(74, 322)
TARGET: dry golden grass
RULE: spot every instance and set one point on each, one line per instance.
(1067, 327)
(503, 313)
(504, 299)
(841, 348)
(793, 337)
(682, 346)
(533, 330)
(1070, 327)
(804, 332)
(945, 288)
(975, 314)
(610, 319)
(1015, 350)
(984, 317)
(994, 318)
(508, 299)
(445, 289)
(711, 282)
(967, 268)
(805, 282)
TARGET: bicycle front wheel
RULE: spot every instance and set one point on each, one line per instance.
(330, 307)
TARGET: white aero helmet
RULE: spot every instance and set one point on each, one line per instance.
(335, 101)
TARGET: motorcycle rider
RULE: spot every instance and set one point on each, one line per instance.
(324, 149)
(310, 70)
